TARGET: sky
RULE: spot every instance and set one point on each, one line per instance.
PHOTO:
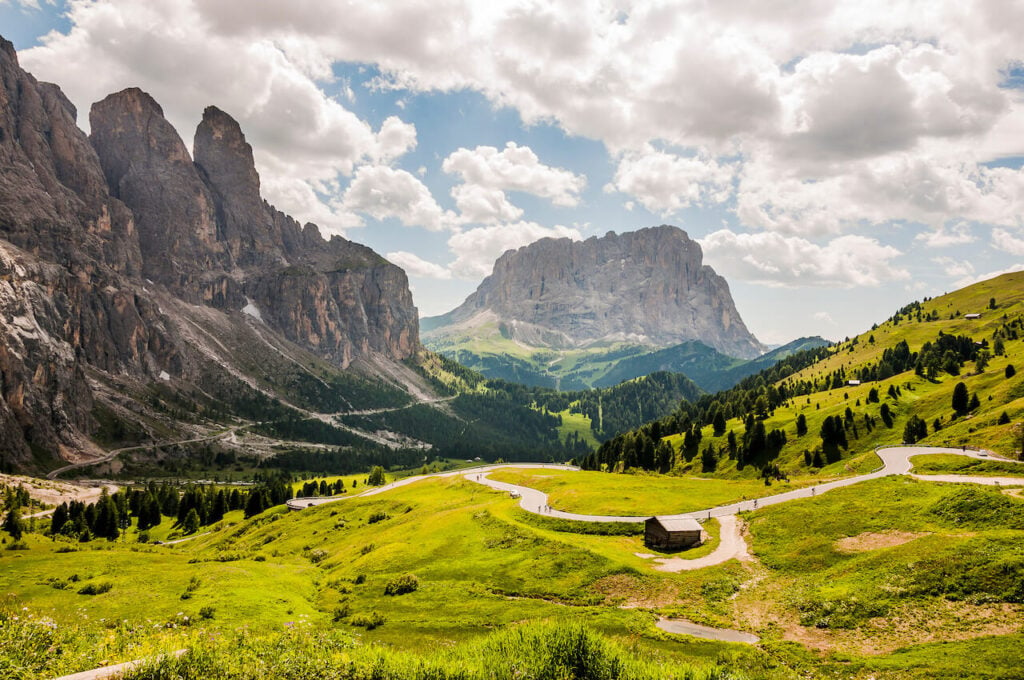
(835, 160)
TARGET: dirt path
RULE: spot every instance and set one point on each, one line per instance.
(684, 627)
(115, 671)
(111, 455)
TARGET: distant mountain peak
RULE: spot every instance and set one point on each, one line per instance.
(647, 287)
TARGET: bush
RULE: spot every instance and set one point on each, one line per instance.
(367, 620)
(378, 516)
(207, 612)
(400, 585)
(95, 588)
(342, 612)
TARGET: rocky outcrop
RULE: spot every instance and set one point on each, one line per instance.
(647, 287)
(206, 233)
(97, 231)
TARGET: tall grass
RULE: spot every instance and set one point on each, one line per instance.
(537, 651)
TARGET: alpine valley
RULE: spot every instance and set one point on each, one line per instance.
(227, 453)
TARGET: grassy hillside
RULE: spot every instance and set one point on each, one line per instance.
(907, 367)
(840, 590)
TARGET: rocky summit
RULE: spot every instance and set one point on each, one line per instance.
(647, 287)
(119, 252)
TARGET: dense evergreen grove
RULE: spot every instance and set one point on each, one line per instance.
(754, 398)
(194, 507)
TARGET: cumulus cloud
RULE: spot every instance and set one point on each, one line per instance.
(876, 191)
(775, 260)
(414, 265)
(477, 249)
(951, 267)
(1006, 242)
(515, 168)
(811, 119)
(269, 83)
(957, 235)
(383, 192)
(483, 205)
(664, 182)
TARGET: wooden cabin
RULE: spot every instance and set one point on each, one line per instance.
(662, 533)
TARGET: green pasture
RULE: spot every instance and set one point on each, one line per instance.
(640, 495)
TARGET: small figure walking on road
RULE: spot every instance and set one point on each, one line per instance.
(813, 490)
(755, 504)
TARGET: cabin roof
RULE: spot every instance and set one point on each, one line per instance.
(678, 524)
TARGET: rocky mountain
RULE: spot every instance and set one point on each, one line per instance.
(647, 287)
(125, 263)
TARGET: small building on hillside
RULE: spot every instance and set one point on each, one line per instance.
(853, 383)
(663, 533)
(972, 316)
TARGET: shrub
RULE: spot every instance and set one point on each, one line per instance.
(342, 612)
(378, 516)
(400, 585)
(95, 588)
(317, 556)
(206, 612)
(360, 579)
(367, 620)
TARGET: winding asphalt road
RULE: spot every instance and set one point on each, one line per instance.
(895, 461)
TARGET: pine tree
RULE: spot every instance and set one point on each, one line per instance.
(13, 524)
(59, 519)
(801, 425)
(190, 524)
(254, 506)
(961, 399)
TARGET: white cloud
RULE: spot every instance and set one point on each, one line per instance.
(483, 205)
(414, 265)
(776, 260)
(269, 83)
(383, 192)
(395, 138)
(515, 168)
(665, 183)
(477, 249)
(970, 280)
(951, 267)
(958, 235)
(1006, 242)
(817, 119)
(906, 187)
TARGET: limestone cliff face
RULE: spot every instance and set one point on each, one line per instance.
(647, 287)
(99, 234)
(336, 297)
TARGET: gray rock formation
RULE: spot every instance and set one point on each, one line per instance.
(107, 244)
(647, 287)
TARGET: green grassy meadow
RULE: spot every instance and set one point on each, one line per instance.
(302, 580)
(640, 495)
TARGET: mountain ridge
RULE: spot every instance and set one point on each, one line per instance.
(118, 253)
(645, 287)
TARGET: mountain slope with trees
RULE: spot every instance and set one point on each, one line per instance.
(939, 371)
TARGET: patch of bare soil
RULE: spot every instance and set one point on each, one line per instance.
(55, 493)
(871, 540)
(1016, 493)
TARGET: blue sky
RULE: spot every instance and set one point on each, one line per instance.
(835, 160)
